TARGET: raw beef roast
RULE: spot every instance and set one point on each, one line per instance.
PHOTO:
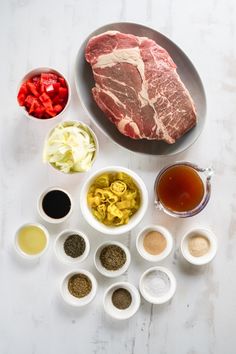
(138, 88)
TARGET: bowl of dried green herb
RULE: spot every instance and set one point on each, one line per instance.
(112, 258)
(72, 246)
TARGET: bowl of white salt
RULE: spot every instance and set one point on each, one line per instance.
(157, 285)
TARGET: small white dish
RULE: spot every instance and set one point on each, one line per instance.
(134, 220)
(36, 72)
(112, 310)
(81, 125)
(75, 301)
(59, 247)
(103, 270)
(164, 297)
(150, 257)
(206, 258)
(41, 212)
(26, 255)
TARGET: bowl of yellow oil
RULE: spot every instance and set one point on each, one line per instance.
(31, 240)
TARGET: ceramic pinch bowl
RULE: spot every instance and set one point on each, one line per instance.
(73, 300)
(154, 257)
(112, 310)
(17, 245)
(206, 258)
(150, 287)
(41, 211)
(111, 273)
(59, 247)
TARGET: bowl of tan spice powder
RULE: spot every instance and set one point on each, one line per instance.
(154, 243)
(199, 246)
(112, 259)
(79, 287)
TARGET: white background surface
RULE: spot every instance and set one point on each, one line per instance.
(33, 318)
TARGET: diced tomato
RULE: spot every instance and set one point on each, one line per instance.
(32, 89)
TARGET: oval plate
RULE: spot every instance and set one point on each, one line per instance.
(85, 82)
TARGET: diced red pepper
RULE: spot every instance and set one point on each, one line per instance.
(62, 81)
(48, 78)
(58, 108)
(23, 89)
(36, 81)
(56, 86)
(28, 101)
(44, 96)
(21, 98)
(58, 100)
(63, 92)
(46, 101)
(35, 104)
(51, 112)
(39, 111)
(49, 88)
(32, 89)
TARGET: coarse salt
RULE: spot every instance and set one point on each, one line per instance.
(156, 283)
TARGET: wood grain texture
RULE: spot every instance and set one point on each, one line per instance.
(201, 317)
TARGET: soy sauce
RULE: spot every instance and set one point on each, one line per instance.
(180, 188)
(56, 204)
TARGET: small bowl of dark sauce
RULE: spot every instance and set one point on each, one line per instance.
(55, 205)
(183, 189)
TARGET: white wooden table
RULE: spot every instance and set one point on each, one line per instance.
(33, 318)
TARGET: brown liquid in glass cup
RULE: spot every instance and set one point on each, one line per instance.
(180, 190)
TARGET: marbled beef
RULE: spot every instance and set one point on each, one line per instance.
(138, 88)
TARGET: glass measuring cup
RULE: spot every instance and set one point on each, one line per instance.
(203, 174)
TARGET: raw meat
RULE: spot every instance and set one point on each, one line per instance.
(138, 88)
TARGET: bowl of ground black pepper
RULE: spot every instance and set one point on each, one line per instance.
(79, 287)
(72, 246)
(121, 300)
(112, 259)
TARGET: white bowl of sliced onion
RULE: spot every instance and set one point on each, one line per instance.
(71, 147)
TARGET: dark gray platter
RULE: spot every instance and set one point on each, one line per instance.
(84, 83)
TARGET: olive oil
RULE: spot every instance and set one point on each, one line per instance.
(180, 188)
(32, 239)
